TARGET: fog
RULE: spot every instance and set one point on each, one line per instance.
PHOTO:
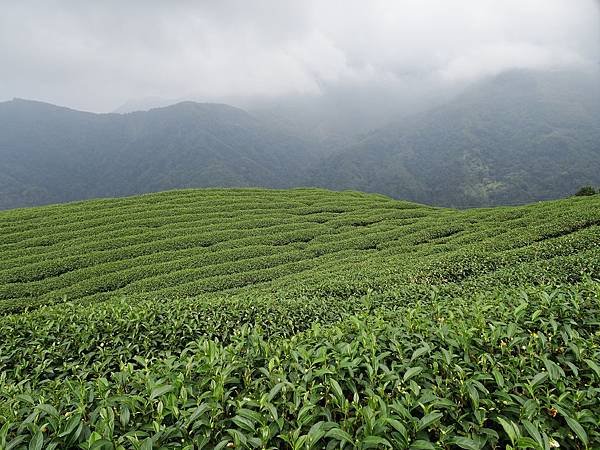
(98, 55)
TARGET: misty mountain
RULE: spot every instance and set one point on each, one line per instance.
(519, 137)
(54, 154)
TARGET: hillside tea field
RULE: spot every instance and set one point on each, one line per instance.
(299, 319)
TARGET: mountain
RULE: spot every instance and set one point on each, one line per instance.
(53, 154)
(519, 137)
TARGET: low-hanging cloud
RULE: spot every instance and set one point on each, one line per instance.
(96, 55)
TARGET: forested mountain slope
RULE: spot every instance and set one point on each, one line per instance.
(519, 137)
(52, 154)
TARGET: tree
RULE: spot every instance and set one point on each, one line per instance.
(585, 190)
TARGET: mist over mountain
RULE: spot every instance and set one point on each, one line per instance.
(461, 103)
(145, 104)
(336, 116)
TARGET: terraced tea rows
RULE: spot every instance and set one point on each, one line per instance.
(303, 318)
(190, 242)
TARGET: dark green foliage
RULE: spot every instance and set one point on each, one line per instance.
(586, 190)
(299, 319)
(513, 368)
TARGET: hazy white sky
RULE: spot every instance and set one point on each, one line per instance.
(95, 55)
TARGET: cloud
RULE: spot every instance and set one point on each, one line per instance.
(491, 59)
(96, 55)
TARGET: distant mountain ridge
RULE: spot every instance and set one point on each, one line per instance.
(53, 154)
(516, 138)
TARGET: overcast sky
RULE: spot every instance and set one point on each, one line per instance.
(95, 55)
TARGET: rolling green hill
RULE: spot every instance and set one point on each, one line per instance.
(305, 318)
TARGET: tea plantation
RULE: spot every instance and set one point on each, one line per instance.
(299, 319)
